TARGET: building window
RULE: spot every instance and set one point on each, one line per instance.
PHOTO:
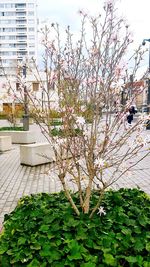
(31, 45)
(22, 53)
(31, 13)
(32, 53)
(20, 5)
(31, 37)
(10, 14)
(7, 45)
(12, 37)
(9, 30)
(31, 21)
(20, 37)
(21, 29)
(23, 21)
(22, 46)
(8, 21)
(12, 45)
(30, 5)
(9, 5)
(31, 29)
(35, 86)
(21, 14)
(17, 86)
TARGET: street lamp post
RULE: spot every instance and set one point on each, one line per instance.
(148, 94)
(26, 110)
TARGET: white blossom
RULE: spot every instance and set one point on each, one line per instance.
(99, 162)
(60, 141)
(80, 121)
(85, 133)
(140, 128)
(80, 161)
(25, 260)
(140, 140)
(101, 211)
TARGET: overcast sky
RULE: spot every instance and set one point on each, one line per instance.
(65, 12)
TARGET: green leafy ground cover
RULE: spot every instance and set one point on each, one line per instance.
(44, 231)
(63, 133)
(56, 123)
(10, 128)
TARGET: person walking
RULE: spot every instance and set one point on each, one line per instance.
(130, 114)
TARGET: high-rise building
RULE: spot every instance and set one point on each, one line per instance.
(18, 33)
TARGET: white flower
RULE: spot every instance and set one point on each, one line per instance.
(85, 132)
(141, 128)
(141, 141)
(25, 260)
(101, 211)
(63, 109)
(99, 162)
(80, 121)
(60, 141)
(80, 161)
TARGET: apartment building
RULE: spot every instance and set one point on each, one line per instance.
(18, 33)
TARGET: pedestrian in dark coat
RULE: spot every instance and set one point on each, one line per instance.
(130, 118)
(130, 114)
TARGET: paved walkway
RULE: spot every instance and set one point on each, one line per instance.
(17, 180)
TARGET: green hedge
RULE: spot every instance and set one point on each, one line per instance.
(44, 231)
(11, 128)
(3, 116)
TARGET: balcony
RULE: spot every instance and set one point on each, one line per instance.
(21, 14)
(21, 30)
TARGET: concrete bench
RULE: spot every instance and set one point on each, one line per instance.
(20, 137)
(5, 143)
(36, 154)
(39, 153)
